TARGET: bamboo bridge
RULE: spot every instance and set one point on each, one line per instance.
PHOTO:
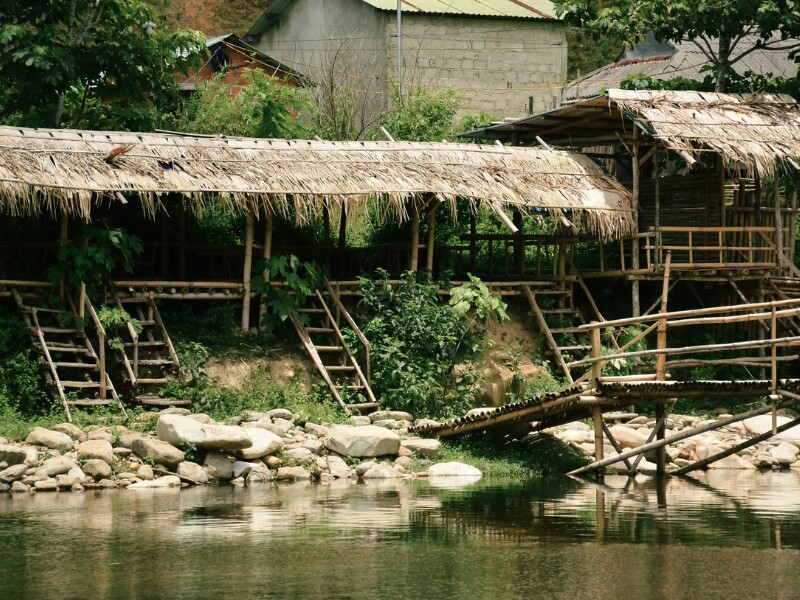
(770, 331)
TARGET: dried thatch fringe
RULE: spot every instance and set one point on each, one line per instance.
(758, 131)
(50, 171)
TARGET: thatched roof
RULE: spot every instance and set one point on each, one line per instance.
(758, 131)
(61, 170)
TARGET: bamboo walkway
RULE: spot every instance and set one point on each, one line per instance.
(770, 352)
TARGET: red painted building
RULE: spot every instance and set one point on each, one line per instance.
(233, 57)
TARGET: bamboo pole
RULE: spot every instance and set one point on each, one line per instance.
(657, 221)
(414, 239)
(266, 255)
(661, 455)
(681, 435)
(182, 239)
(597, 416)
(473, 244)
(778, 223)
(635, 241)
(248, 266)
(431, 237)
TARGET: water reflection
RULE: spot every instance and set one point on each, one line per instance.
(719, 534)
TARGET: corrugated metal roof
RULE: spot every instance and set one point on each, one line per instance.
(686, 61)
(518, 9)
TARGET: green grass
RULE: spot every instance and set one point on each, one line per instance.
(499, 458)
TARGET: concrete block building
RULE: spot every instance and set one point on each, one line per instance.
(505, 58)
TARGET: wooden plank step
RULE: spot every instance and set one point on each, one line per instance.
(340, 368)
(569, 348)
(40, 309)
(156, 401)
(565, 330)
(561, 311)
(76, 365)
(320, 330)
(156, 362)
(67, 349)
(81, 384)
(153, 381)
(329, 348)
(89, 402)
(311, 311)
(147, 344)
(351, 387)
(61, 330)
(146, 323)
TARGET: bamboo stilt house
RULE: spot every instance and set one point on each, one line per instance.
(83, 176)
(702, 169)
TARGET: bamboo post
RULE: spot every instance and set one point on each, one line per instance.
(778, 223)
(635, 241)
(63, 238)
(597, 415)
(657, 220)
(165, 245)
(774, 361)
(519, 244)
(413, 263)
(267, 254)
(182, 240)
(661, 334)
(473, 243)
(792, 228)
(681, 435)
(248, 266)
(661, 426)
(326, 234)
(431, 237)
(597, 367)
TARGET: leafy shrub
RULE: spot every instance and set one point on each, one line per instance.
(301, 279)
(418, 340)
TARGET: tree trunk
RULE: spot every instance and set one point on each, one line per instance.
(723, 64)
(59, 112)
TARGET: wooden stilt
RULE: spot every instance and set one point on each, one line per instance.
(431, 237)
(326, 235)
(267, 254)
(182, 240)
(63, 238)
(657, 222)
(342, 228)
(597, 416)
(412, 265)
(778, 223)
(681, 435)
(635, 310)
(519, 245)
(661, 453)
(248, 267)
(473, 243)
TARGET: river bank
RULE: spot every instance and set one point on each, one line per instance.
(176, 448)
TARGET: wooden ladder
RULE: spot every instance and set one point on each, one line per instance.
(322, 338)
(71, 364)
(148, 357)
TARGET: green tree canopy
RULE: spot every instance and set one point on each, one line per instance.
(265, 108)
(64, 59)
(725, 31)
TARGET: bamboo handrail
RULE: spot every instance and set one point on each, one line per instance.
(712, 310)
(101, 342)
(351, 322)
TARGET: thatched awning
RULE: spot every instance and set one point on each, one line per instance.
(62, 170)
(757, 131)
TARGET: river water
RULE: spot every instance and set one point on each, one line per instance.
(724, 534)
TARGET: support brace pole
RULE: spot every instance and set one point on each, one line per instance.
(681, 435)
